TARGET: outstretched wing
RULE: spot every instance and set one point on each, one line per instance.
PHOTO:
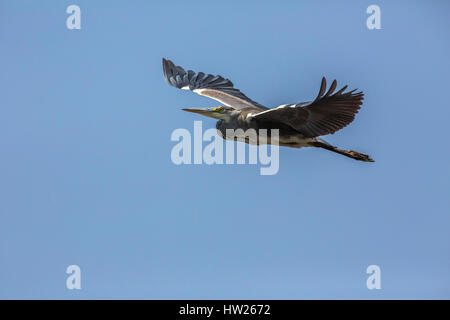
(214, 87)
(327, 114)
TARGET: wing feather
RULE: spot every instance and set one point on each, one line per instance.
(326, 114)
(214, 87)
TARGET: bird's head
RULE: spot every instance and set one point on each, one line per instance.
(220, 112)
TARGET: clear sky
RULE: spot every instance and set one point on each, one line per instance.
(87, 179)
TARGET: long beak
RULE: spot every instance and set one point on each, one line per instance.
(203, 111)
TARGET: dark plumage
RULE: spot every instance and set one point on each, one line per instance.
(300, 125)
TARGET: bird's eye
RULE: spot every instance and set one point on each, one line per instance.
(219, 109)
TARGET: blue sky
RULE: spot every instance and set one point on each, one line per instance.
(87, 179)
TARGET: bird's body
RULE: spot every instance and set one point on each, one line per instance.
(298, 125)
(243, 119)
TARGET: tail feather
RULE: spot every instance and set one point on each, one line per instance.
(348, 153)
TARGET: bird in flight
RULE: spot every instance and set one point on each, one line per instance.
(299, 124)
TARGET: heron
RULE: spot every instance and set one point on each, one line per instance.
(299, 124)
